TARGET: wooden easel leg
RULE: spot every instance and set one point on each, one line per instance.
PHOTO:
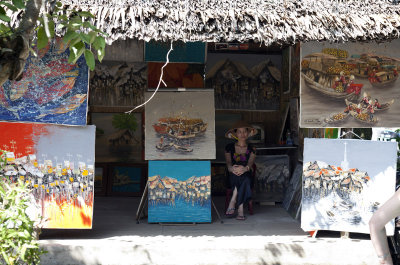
(215, 209)
(142, 203)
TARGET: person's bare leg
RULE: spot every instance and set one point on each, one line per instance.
(240, 210)
(232, 203)
(388, 211)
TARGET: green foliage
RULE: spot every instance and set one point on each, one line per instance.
(80, 35)
(17, 231)
(124, 121)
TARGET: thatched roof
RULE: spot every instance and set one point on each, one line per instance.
(269, 21)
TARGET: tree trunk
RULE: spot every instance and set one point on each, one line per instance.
(15, 48)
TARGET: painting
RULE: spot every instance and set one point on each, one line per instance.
(100, 179)
(244, 81)
(127, 179)
(116, 84)
(118, 137)
(57, 164)
(295, 181)
(331, 133)
(179, 192)
(350, 85)
(223, 123)
(344, 186)
(272, 177)
(50, 91)
(183, 52)
(180, 125)
(176, 75)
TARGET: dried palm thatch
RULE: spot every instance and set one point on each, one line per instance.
(268, 21)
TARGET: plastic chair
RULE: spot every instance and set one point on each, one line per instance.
(229, 191)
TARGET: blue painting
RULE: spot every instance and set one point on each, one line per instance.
(50, 91)
(127, 179)
(189, 52)
(179, 192)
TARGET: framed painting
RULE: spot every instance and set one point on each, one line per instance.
(50, 91)
(180, 125)
(350, 85)
(100, 179)
(244, 81)
(57, 164)
(183, 52)
(116, 84)
(118, 137)
(179, 192)
(344, 186)
(127, 179)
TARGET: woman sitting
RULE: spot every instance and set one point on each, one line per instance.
(239, 158)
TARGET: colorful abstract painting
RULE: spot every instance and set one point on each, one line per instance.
(176, 75)
(51, 89)
(183, 52)
(179, 192)
(345, 181)
(118, 137)
(350, 85)
(180, 125)
(57, 163)
(244, 81)
(117, 84)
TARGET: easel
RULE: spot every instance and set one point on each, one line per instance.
(144, 199)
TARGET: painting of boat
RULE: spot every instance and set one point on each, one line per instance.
(336, 118)
(383, 79)
(384, 106)
(364, 117)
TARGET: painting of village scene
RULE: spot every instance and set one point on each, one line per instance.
(179, 192)
(180, 125)
(343, 187)
(118, 137)
(352, 85)
(244, 81)
(118, 84)
(57, 164)
(50, 91)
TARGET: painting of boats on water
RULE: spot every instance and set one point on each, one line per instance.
(244, 81)
(179, 192)
(344, 186)
(50, 91)
(57, 165)
(352, 85)
(180, 125)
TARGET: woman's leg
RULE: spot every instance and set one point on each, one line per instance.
(388, 211)
(244, 194)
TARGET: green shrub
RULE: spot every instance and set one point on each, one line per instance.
(18, 242)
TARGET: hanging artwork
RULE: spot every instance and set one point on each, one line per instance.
(183, 52)
(344, 186)
(351, 85)
(127, 179)
(176, 75)
(118, 137)
(244, 81)
(179, 191)
(180, 125)
(331, 133)
(272, 177)
(50, 91)
(115, 84)
(57, 163)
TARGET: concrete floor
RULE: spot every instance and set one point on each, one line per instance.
(270, 236)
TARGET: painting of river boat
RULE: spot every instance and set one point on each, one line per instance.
(180, 125)
(57, 165)
(179, 192)
(342, 188)
(332, 75)
(50, 91)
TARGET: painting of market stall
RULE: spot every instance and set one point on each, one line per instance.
(344, 186)
(57, 164)
(179, 191)
(180, 125)
(351, 85)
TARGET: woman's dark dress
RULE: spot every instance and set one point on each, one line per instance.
(243, 182)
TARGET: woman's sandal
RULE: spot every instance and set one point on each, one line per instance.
(241, 217)
(230, 212)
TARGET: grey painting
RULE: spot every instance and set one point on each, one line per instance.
(350, 85)
(180, 125)
(345, 182)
